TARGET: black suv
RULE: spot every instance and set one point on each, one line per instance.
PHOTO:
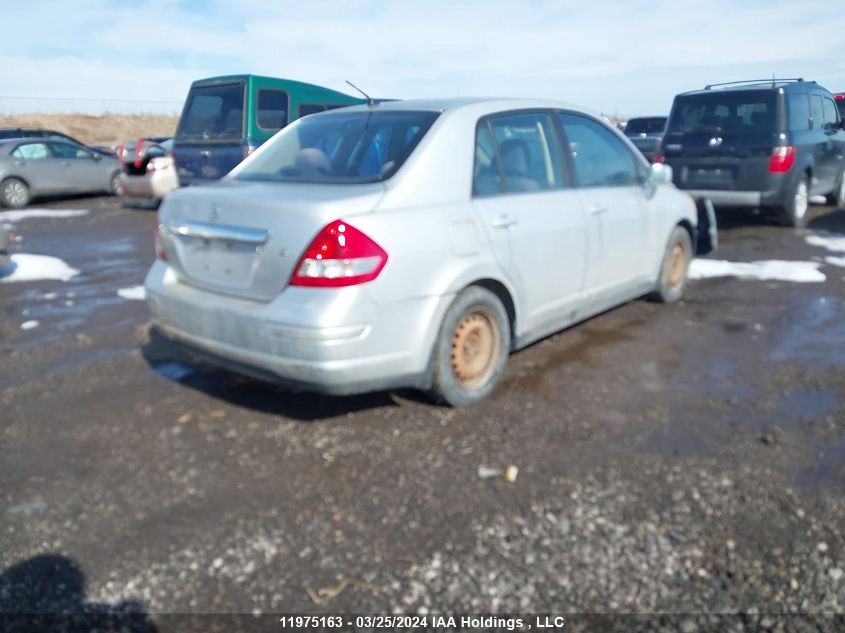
(34, 132)
(768, 144)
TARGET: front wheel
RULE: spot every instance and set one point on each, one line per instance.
(794, 212)
(15, 193)
(472, 348)
(836, 198)
(114, 183)
(673, 270)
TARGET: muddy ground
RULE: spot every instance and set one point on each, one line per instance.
(685, 459)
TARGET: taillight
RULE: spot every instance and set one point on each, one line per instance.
(139, 146)
(658, 158)
(782, 160)
(160, 254)
(340, 255)
(839, 97)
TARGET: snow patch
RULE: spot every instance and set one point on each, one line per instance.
(29, 325)
(135, 293)
(27, 214)
(830, 242)
(818, 200)
(766, 270)
(26, 267)
(835, 261)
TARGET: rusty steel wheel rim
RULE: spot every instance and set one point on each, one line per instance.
(475, 348)
(677, 265)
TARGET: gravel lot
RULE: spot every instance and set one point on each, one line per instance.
(687, 459)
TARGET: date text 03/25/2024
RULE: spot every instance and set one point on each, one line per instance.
(442, 622)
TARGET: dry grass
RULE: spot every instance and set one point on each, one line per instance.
(97, 129)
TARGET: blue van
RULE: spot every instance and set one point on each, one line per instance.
(226, 118)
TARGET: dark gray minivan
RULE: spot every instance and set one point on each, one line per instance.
(767, 144)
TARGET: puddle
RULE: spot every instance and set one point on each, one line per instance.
(828, 469)
(174, 371)
(816, 332)
(806, 404)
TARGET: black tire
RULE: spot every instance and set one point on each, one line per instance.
(793, 212)
(472, 348)
(673, 270)
(15, 193)
(836, 198)
(114, 183)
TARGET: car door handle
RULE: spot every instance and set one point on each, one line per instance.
(597, 209)
(504, 221)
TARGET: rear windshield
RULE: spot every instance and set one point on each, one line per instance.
(341, 147)
(840, 102)
(650, 125)
(735, 112)
(213, 113)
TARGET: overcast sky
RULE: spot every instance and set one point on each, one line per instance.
(620, 57)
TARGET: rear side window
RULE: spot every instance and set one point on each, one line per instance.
(342, 148)
(799, 111)
(272, 112)
(840, 103)
(213, 113)
(817, 111)
(601, 159)
(31, 151)
(739, 112)
(526, 155)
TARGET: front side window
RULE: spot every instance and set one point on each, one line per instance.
(831, 116)
(66, 150)
(31, 151)
(342, 147)
(272, 112)
(818, 111)
(213, 113)
(600, 158)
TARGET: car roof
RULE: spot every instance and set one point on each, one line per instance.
(762, 86)
(486, 104)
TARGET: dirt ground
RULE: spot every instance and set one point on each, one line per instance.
(685, 460)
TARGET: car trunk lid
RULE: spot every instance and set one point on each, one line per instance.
(244, 239)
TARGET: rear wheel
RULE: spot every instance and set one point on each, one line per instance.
(472, 348)
(836, 198)
(15, 193)
(794, 212)
(673, 270)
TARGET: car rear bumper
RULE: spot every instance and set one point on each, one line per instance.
(335, 341)
(148, 187)
(729, 198)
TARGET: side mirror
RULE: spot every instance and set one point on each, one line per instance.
(660, 174)
(95, 156)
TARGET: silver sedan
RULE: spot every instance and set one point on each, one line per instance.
(416, 244)
(31, 167)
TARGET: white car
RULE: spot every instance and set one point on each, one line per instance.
(147, 172)
(416, 244)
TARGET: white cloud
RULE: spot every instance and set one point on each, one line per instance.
(633, 56)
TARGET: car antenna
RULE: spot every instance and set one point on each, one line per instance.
(370, 100)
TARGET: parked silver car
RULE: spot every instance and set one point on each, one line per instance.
(416, 243)
(31, 167)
